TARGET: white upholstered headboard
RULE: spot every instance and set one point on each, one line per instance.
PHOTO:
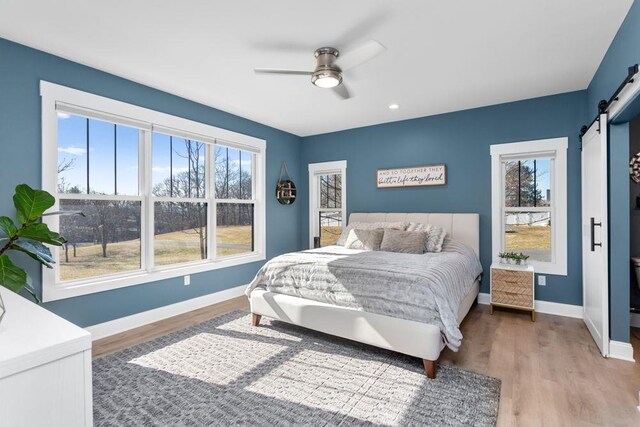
(463, 227)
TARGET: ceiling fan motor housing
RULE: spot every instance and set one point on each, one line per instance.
(325, 68)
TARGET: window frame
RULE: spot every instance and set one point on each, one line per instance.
(316, 170)
(56, 97)
(556, 149)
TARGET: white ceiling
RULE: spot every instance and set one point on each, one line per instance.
(441, 55)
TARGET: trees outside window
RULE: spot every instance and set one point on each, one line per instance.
(107, 240)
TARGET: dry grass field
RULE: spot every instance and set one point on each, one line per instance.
(183, 246)
(522, 237)
(170, 248)
(329, 235)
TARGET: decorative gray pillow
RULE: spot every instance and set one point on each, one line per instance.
(407, 242)
(364, 239)
(368, 226)
(435, 237)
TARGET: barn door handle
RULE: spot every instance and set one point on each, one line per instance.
(594, 224)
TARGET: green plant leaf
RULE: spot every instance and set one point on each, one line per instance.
(7, 225)
(41, 233)
(35, 250)
(11, 277)
(31, 203)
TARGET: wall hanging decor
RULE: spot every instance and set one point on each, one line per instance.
(634, 168)
(415, 176)
(286, 189)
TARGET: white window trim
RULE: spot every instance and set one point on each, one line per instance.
(146, 119)
(544, 147)
(315, 171)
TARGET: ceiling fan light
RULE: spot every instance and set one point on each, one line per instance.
(326, 79)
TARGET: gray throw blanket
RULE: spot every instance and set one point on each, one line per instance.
(426, 288)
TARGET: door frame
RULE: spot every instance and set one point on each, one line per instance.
(623, 108)
(600, 126)
(315, 171)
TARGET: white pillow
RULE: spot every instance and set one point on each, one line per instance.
(368, 226)
(435, 235)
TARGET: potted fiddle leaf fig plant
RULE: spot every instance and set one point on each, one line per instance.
(27, 235)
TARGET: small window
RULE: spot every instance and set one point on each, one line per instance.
(327, 202)
(529, 202)
(330, 213)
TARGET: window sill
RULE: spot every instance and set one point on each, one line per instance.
(54, 292)
(547, 268)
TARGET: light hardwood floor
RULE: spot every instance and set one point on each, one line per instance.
(551, 371)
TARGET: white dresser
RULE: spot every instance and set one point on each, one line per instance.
(45, 368)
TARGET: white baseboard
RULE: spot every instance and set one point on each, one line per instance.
(621, 350)
(635, 320)
(122, 324)
(546, 307)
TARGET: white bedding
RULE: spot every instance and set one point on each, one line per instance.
(427, 288)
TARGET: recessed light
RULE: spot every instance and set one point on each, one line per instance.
(394, 106)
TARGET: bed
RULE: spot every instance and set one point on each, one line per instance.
(420, 325)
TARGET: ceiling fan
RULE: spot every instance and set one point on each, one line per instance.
(331, 64)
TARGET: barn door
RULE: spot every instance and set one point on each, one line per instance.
(595, 265)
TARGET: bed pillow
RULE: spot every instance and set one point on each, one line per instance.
(368, 240)
(406, 242)
(435, 235)
(368, 226)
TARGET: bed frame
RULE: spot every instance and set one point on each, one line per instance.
(404, 336)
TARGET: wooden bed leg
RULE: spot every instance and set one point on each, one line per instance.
(430, 368)
(255, 319)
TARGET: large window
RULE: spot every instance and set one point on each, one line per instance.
(529, 202)
(327, 200)
(160, 196)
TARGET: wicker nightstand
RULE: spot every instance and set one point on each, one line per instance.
(513, 286)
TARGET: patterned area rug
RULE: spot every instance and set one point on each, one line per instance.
(225, 372)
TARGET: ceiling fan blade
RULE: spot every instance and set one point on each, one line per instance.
(279, 71)
(360, 54)
(342, 91)
(365, 28)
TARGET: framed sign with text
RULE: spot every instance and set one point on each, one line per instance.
(415, 176)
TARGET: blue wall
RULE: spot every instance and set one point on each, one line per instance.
(21, 70)
(623, 52)
(461, 140)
